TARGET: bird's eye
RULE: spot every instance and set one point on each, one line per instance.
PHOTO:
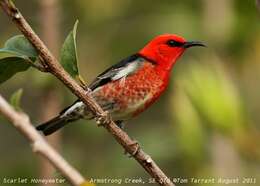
(173, 43)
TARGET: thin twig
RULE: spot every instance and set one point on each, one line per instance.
(38, 66)
(39, 145)
(56, 69)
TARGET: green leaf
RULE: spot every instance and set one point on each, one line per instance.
(69, 58)
(15, 99)
(6, 53)
(20, 45)
(16, 56)
(10, 66)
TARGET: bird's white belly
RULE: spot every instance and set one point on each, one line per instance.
(130, 110)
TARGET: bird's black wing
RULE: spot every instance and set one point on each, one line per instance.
(117, 71)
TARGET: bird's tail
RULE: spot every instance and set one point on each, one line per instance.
(52, 125)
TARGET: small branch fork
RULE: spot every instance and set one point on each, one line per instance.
(56, 69)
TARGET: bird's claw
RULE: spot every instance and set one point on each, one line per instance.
(137, 148)
(102, 119)
(88, 90)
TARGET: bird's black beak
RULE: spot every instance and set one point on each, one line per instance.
(189, 44)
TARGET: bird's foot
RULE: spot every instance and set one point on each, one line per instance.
(102, 119)
(88, 90)
(136, 146)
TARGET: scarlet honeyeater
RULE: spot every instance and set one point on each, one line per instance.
(130, 86)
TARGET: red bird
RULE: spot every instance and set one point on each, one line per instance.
(130, 86)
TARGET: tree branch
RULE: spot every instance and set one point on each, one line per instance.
(39, 144)
(56, 69)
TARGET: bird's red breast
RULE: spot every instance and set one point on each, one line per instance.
(133, 94)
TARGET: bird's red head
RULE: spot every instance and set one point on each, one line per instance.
(165, 49)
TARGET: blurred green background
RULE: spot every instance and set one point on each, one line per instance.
(205, 126)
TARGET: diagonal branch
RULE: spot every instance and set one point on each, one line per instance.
(39, 144)
(56, 69)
